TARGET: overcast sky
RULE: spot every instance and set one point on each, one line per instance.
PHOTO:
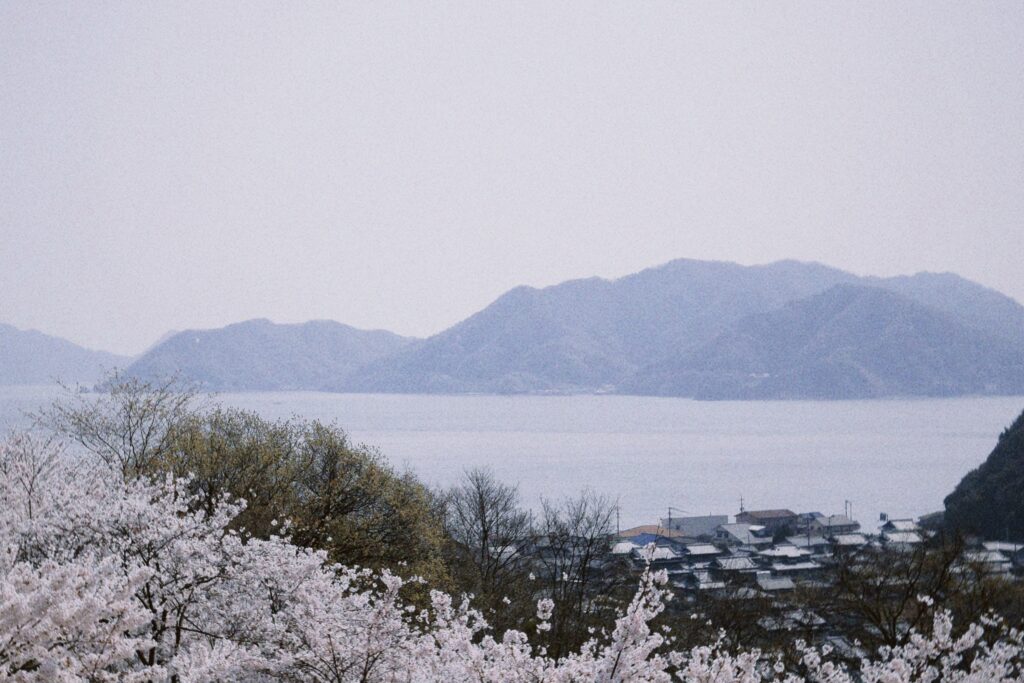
(173, 165)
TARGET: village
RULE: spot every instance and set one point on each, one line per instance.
(775, 551)
(824, 577)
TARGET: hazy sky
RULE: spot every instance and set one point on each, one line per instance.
(172, 165)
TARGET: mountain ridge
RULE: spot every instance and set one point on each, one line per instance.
(596, 335)
(586, 334)
(851, 341)
(643, 333)
(33, 357)
(260, 355)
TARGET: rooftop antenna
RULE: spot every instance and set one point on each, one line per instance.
(741, 504)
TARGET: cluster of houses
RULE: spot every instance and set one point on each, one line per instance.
(765, 552)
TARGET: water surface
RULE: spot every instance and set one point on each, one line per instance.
(896, 456)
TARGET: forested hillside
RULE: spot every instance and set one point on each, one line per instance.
(989, 501)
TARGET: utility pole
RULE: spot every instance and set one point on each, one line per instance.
(670, 509)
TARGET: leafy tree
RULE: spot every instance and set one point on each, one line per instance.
(304, 475)
(135, 580)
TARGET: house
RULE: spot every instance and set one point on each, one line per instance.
(1014, 552)
(830, 525)
(904, 540)
(695, 527)
(784, 552)
(744, 535)
(648, 533)
(624, 548)
(789, 560)
(815, 544)
(849, 541)
(772, 584)
(701, 551)
(795, 568)
(658, 557)
(892, 525)
(901, 534)
(772, 520)
(741, 563)
(988, 561)
(704, 581)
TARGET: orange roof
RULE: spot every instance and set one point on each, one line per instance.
(653, 529)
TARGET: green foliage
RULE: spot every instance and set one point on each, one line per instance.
(306, 478)
(988, 501)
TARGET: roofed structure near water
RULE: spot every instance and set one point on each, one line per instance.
(902, 538)
(785, 551)
(650, 530)
(767, 514)
(832, 524)
(735, 564)
(697, 527)
(766, 582)
(743, 534)
(771, 519)
(850, 540)
(899, 525)
(701, 549)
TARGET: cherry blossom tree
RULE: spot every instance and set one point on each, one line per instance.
(104, 578)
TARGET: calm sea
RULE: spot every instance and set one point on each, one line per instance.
(896, 456)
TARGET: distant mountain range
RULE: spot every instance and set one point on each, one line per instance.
(699, 329)
(724, 331)
(30, 357)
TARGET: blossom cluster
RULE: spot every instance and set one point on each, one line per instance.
(104, 579)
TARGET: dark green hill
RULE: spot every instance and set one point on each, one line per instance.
(989, 501)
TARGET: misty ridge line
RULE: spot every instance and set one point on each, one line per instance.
(170, 333)
(699, 329)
